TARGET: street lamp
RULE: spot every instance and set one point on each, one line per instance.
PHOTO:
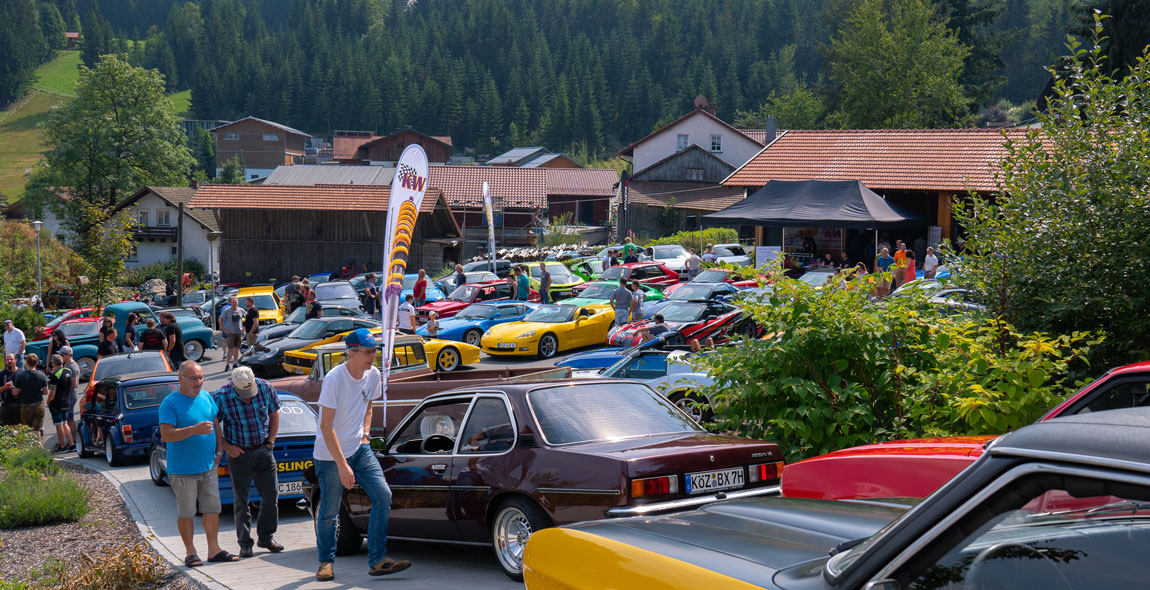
(212, 237)
(36, 225)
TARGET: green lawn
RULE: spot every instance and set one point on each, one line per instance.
(183, 102)
(60, 75)
(20, 140)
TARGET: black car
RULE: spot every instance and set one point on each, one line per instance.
(502, 267)
(1063, 504)
(296, 318)
(266, 358)
(337, 294)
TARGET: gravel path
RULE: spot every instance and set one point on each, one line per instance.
(23, 552)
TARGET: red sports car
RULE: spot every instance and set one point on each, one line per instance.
(465, 295)
(915, 468)
(46, 331)
(716, 275)
(655, 274)
(693, 320)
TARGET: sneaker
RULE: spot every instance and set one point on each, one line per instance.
(388, 566)
(57, 450)
(325, 573)
(271, 545)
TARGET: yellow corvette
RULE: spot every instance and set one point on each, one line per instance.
(442, 355)
(549, 330)
(562, 279)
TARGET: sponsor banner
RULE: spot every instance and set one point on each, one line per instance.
(407, 189)
(490, 223)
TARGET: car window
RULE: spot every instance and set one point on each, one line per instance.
(336, 291)
(265, 302)
(80, 329)
(500, 290)
(1131, 394)
(339, 326)
(489, 428)
(508, 311)
(296, 418)
(650, 366)
(432, 430)
(363, 324)
(147, 396)
(608, 411)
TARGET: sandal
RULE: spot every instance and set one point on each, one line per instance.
(193, 560)
(223, 556)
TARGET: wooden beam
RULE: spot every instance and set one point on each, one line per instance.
(945, 213)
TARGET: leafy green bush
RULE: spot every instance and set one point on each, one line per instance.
(22, 317)
(33, 459)
(165, 271)
(840, 370)
(31, 499)
(691, 239)
(14, 439)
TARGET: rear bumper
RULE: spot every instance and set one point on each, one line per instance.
(689, 503)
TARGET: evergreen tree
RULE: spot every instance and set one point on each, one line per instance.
(98, 39)
(22, 47)
(52, 26)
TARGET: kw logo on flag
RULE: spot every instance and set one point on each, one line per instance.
(409, 179)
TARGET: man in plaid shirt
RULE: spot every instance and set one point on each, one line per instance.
(247, 424)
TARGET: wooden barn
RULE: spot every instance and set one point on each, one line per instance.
(273, 232)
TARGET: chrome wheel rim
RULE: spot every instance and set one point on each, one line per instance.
(193, 350)
(86, 365)
(685, 403)
(512, 530)
(108, 449)
(472, 338)
(448, 360)
(154, 467)
(547, 346)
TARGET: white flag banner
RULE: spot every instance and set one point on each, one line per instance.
(490, 223)
(407, 189)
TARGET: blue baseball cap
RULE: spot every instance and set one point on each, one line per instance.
(361, 338)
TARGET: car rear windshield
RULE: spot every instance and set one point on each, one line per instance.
(689, 292)
(730, 251)
(615, 273)
(665, 252)
(342, 291)
(147, 396)
(608, 411)
(599, 291)
(710, 276)
(80, 329)
(136, 362)
(463, 293)
(296, 418)
(559, 273)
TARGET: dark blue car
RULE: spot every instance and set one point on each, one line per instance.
(293, 452)
(122, 414)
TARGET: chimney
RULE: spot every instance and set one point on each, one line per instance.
(195, 183)
(772, 125)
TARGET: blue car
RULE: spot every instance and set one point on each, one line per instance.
(471, 322)
(601, 358)
(293, 452)
(123, 414)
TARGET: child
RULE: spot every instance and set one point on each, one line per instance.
(433, 325)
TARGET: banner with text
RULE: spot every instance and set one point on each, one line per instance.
(487, 212)
(407, 189)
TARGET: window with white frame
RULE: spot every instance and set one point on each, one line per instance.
(163, 217)
(716, 143)
(694, 174)
(681, 142)
(271, 137)
(142, 218)
(231, 137)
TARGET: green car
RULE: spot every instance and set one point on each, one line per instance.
(599, 293)
(588, 269)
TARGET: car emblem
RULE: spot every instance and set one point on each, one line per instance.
(712, 458)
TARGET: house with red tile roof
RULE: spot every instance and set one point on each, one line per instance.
(356, 148)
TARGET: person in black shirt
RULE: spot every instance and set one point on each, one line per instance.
(370, 296)
(59, 396)
(314, 308)
(31, 387)
(130, 332)
(650, 332)
(175, 339)
(152, 338)
(59, 340)
(251, 322)
(9, 403)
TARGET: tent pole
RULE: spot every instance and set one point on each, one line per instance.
(876, 252)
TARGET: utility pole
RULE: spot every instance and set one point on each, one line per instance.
(180, 257)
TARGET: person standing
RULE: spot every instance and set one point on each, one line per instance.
(544, 284)
(249, 420)
(152, 337)
(231, 324)
(692, 264)
(314, 308)
(370, 296)
(187, 427)
(911, 273)
(419, 289)
(173, 338)
(130, 332)
(107, 345)
(709, 255)
(884, 263)
(31, 387)
(461, 277)
(405, 318)
(929, 263)
(59, 396)
(343, 455)
(613, 258)
(58, 341)
(629, 248)
(14, 341)
(74, 368)
(432, 325)
(251, 322)
(512, 283)
(523, 287)
(621, 302)
(9, 397)
(637, 297)
(290, 292)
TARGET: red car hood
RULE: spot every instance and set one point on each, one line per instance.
(448, 305)
(960, 446)
(681, 452)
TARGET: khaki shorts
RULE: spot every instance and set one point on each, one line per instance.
(252, 339)
(233, 340)
(32, 415)
(201, 488)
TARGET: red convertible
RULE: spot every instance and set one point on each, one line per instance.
(915, 468)
(655, 274)
(465, 295)
(693, 320)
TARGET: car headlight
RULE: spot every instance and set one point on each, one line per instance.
(527, 334)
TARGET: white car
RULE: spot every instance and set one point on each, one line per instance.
(668, 373)
(732, 254)
(672, 255)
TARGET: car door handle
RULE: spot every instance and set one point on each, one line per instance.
(439, 468)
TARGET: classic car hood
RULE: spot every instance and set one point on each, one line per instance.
(513, 329)
(285, 344)
(960, 446)
(748, 540)
(442, 304)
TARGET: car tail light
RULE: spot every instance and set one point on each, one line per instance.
(764, 472)
(654, 486)
(126, 430)
(222, 471)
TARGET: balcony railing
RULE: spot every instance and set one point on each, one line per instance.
(154, 232)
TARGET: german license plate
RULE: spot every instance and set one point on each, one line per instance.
(510, 345)
(710, 481)
(290, 487)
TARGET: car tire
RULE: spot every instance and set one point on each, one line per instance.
(548, 346)
(515, 521)
(193, 350)
(84, 452)
(687, 400)
(348, 541)
(155, 470)
(87, 364)
(472, 337)
(110, 453)
(448, 359)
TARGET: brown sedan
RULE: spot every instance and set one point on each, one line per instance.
(491, 464)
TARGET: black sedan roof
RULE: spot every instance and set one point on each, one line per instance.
(1093, 438)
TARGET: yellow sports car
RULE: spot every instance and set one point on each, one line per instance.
(549, 330)
(562, 279)
(267, 302)
(442, 355)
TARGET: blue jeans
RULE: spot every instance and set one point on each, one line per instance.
(369, 476)
(545, 296)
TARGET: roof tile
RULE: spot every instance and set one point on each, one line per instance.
(322, 197)
(597, 182)
(687, 195)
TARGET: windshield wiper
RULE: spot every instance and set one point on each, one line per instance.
(846, 545)
(1122, 506)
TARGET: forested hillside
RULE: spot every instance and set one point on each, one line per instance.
(494, 73)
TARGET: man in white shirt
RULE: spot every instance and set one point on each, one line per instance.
(14, 342)
(693, 262)
(405, 320)
(929, 264)
(343, 455)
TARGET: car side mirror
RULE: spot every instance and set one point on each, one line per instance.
(379, 444)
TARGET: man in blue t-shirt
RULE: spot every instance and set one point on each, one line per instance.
(188, 427)
(523, 282)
